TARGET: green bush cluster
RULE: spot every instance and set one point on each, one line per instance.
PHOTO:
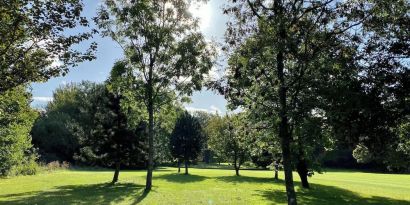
(17, 155)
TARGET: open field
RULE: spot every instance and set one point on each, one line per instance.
(202, 186)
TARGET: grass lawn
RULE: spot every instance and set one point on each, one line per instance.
(202, 186)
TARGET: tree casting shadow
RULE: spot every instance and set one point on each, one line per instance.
(105, 193)
(324, 195)
(181, 178)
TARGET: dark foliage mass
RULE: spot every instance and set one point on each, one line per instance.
(85, 124)
(187, 139)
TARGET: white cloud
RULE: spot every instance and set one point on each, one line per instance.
(42, 99)
(212, 109)
(194, 109)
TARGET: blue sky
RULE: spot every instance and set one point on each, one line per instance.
(212, 23)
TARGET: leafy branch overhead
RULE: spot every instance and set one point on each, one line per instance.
(36, 40)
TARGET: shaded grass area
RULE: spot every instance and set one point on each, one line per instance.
(103, 193)
(202, 186)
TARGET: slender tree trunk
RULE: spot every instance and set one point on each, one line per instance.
(179, 165)
(276, 169)
(116, 173)
(303, 173)
(235, 165)
(238, 167)
(186, 166)
(284, 133)
(150, 132)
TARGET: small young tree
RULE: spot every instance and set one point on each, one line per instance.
(214, 130)
(186, 139)
(236, 146)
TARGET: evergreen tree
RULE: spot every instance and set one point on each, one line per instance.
(187, 139)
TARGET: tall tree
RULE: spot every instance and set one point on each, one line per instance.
(112, 141)
(115, 140)
(377, 87)
(35, 44)
(280, 43)
(187, 139)
(163, 46)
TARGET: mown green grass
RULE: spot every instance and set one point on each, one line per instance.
(202, 186)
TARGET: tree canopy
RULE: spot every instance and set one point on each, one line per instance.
(35, 44)
(164, 49)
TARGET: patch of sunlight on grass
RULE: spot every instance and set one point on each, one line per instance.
(202, 186)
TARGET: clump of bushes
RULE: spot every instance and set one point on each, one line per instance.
(56, 165)
(17, 155)
(29, 166)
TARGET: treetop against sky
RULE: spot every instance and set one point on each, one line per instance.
(212, 25)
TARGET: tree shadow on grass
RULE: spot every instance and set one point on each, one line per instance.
(325, 195)
(181, 178)
(105, 193)
(246, 179)
(317, 195)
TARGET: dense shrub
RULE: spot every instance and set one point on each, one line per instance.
(17, 155)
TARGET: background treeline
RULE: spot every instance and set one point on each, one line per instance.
(103, 124)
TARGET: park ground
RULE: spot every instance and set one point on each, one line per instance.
(202, 186)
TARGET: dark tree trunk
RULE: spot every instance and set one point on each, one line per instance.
(186, 166)
(284, 133)
(116, 173)
(303, 173)
(236, 165)
(179, 165)
(150, 132)
(276, 169)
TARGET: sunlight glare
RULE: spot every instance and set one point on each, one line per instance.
(203, 11)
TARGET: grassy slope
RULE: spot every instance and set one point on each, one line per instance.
(203, 186)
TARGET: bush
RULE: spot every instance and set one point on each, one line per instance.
(17, 155)
(29, 166)
(56, 165)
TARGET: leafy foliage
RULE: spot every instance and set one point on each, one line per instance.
(162, 46)
(34, 43)
(17, 155)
